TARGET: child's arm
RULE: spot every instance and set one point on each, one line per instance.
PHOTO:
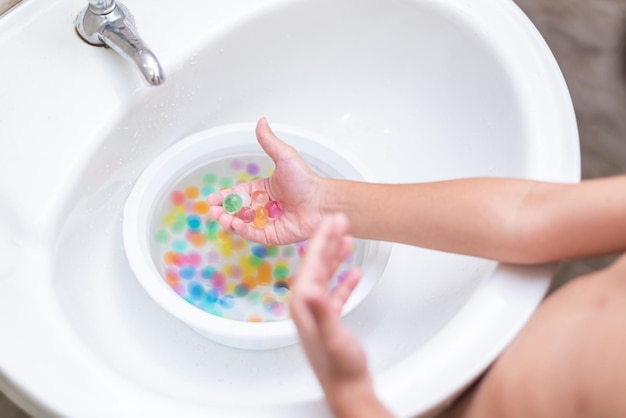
(513, 220)
(333, 351)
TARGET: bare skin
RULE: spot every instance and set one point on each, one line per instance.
(333, 351)
(509, 220)
(292, 183)
(567, 361)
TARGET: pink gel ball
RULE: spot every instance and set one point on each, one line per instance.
(274, 209)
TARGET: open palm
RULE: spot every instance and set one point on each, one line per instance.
(292, 183)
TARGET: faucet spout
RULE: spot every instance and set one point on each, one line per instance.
(110, 23)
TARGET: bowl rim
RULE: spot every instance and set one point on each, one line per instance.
(191, 153)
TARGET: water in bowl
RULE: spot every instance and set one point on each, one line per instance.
(218, 271)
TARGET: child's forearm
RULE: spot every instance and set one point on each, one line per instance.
(511, 220)
(466, 216)
(355, 400)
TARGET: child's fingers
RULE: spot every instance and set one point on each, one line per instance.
(224, 219)
(344, 248)
(215, 211)
(304, 320)
(215, 199)
(330, 331)
(336, 245)
(329, 240)
(324, 253)
(319, 261)
(249, 232)
(341, 293)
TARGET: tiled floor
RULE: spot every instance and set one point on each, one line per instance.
(588, 38)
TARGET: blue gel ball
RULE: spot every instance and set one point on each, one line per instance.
(260, 251)
(226, 302)
(195, 290)
(187, 272)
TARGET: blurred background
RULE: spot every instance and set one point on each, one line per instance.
(588, 39)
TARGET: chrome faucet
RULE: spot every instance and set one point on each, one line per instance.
(110, 23)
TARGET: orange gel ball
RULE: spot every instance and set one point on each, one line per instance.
(260, 217)
(200, 207)
(197, 240)
(264, 275)
(254, 318)
(192, 192)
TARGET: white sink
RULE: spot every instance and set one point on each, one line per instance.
(410, 90)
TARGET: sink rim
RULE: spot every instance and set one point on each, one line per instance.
(567, 171)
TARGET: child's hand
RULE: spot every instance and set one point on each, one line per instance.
(293, 184)
(334, 352)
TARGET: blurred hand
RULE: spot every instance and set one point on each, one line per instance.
(334, 352)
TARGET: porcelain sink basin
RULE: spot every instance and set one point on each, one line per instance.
(410, 90)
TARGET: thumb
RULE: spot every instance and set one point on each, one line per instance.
(271, 144)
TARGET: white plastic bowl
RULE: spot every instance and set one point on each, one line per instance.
(199, 150)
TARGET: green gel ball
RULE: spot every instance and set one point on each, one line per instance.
(226, 182)
(162, 237)
(232, 203)
(209, 179)
(255, 261)
(212, 226)
(179, 227)
(281, 272)
(272, 251)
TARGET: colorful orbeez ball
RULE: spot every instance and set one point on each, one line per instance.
(215, 270)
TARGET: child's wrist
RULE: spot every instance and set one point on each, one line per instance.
(330, 193)
(355, 398)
